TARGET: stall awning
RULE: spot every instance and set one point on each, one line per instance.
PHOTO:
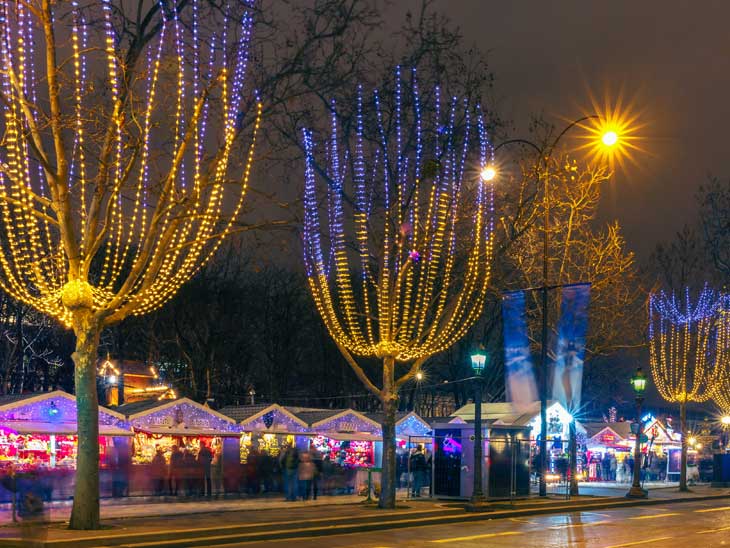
(204, 432)
(351, 436)
(59, 429)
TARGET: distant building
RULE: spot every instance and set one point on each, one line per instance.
(129, 381)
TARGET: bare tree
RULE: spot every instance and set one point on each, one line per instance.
(403, 176)
(110, 200)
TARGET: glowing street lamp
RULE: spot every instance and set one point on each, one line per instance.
(478, 362)
(610, 138)
(488, 173)
(638, 383)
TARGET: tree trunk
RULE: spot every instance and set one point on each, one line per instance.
(683, 464)
(387, 481)
(85, 511)
(389, 400)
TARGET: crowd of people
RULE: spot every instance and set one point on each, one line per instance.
(186, 474)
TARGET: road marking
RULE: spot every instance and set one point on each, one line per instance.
(523, 520)
(714, 530)
(475, 537)
(654, 516)
(570, 525)
(721, 509)
(636, 543)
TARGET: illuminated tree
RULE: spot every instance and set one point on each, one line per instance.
(413, 277)
(119, 175)
(688, 345)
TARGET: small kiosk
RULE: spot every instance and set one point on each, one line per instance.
(39, 432)
(266, 429)
(163, 424)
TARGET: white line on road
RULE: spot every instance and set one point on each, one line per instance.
(636, 543)
(714, 530)
(571, 525)
(654, 516)
(475, 537)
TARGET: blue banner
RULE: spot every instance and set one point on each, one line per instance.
(519, 375)
(571, 345)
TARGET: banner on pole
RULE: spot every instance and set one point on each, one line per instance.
(519, 376)
(571, 345)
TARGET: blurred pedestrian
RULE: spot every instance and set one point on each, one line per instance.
(176, 471)
(31, 509)
(189, 472)
(418, 468)
(318, 466)
(289, 460)
(157, 472)
(217, 472)
(305, 472)
(205, 458)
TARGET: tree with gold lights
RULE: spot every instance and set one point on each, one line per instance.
(410, 281)
(689, 345)
(120, 170)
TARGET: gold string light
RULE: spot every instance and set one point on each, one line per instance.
(139, 185)
(422, 240)
(689, 346)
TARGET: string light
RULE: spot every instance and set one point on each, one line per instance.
(414, 214)
(689, 345)
(147, 206)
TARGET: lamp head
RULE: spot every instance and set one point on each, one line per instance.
(609, 138)
(478, 360)
(638, 382)
(488, 173)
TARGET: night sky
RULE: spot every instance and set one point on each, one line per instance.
(669, 58)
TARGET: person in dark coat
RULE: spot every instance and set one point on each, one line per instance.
(205, 458)
(157, 472)
(176, 471)
(418, 469)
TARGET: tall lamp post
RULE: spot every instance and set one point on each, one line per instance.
(725, 421)
(638, 383)
(608, 140)
(478, 361)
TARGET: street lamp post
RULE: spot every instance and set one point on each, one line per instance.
(478, 361)
(609, 139)
(638, 383)
(725, 420)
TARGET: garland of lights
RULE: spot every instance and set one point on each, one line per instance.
(415, 184)
(721, 395)
(689, 345)
(136, 196)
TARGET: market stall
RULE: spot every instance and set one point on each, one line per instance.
(179, 426)
(266, 430)
(39, 432)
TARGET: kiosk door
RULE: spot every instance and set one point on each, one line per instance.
(447, 463)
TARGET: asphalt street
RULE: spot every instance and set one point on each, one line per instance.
(696, 525)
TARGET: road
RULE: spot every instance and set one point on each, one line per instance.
(696, 525)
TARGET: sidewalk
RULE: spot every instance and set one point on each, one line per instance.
(152, 507)
(223, 522)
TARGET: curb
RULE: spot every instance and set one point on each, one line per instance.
(172, 539)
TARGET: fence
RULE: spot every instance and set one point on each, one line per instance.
(510, 467)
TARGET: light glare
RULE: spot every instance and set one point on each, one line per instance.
(488, 173)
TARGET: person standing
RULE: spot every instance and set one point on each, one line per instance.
(157, 471)
(318, 466)
(289, 466)
(418, 466)
(205, 458)
(305, 473)
(176, 469)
